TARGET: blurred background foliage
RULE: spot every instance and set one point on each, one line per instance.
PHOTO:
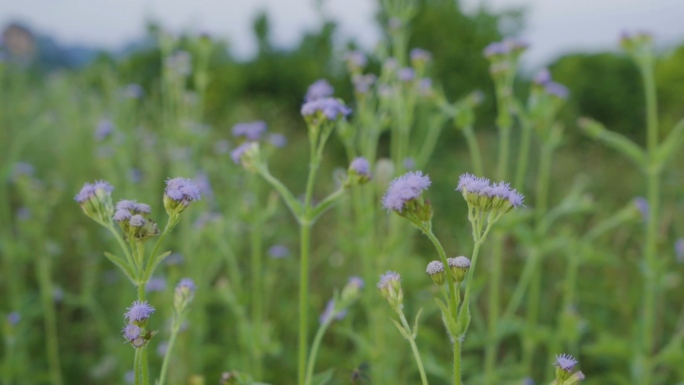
(270, 86)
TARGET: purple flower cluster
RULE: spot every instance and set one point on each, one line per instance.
(131, 332)
(470, 184)
(250, 130)
(155, 284)
(406, 74)
(543, 79)
(420, 55)
(356, 281)
(356, 59)
(139, 311)
(278, 251)
(104, 129)
(240, 150)
(405, 188)
(388, 279)
(361, 166)
(182, 190)
(332, 108)
(565, 362)
(89, 190)
(186, 284)
(318, 90)
(505, 47)
(277, 140)
(329, 313)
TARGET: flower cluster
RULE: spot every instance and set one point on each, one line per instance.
(404, 195)
(565, 364)
(505, 47)
(458, 267)
(318, 90)
(358, 172)
(544, 81)
(480, 193)
(136, 316)
(179, 193)
(247, 154)
(250, 130)
(96, 201)
(183, 294)
(325, 109)
(390, 288)
(336, 309)
(133, 218)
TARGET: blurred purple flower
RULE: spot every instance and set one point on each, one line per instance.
(278, 251)
(318, 90)
(104, 129)
(405, 188)
(329, 313)
(250, 130)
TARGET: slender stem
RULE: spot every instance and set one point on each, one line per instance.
(51, 342)
(167, 355)
(457, 361)
(650, 249)
(523, 155)
(145, 366)
(493, 308)
(257, 290)
(474, 148)
(305, 234)
(414, 349)
(137, 364)
(314, 349)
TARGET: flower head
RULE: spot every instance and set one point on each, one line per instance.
(277, 140)
(356, 60)
(104, 129)
(250, 130)
(356, 282)
(328, 108)
(182, 190)
(247, 155)
(565, 362)
(482, 194)
(139, 311)
(96, 201)
(137, 220)
(405, 188)
(459, 267)
(278, 251)
(318, 90)
(122, 215)
(89, 190)
(360, 166)
(155, 284)
(183, 294)
(419, 55)
(542, 77)
(435, 270)
(388, 279)
(390, 288)
(496, 49)
(406, 74)
(556, 89)
(131, 332)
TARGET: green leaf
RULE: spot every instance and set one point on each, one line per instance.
(403, 331)
(122, 265)
(155, 263)
(415, 323)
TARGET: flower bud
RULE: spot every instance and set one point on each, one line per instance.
(435, 270)
(183, 294)
(96, 201)
(459, 267)
(390, 288)
(178, 195)
(248, 155)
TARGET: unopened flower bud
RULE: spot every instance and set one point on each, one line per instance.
(435, 270)
(459, 267)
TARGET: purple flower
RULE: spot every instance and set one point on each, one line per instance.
(174, 259)
(679, 250)
(104, 129)
(135, 175)
(126, 205)
(565, 362)
(420, 55)
(131, 332)
(495, 49)
(406, 74)
(405, 188)
(186, 284)
(318, 90)
(139, 311)
(133, 91)
(250, 130)
(277, 140)
(356, 59)
(363, 83)
(155, 284)
(516, 44)
(556, 89)
(361, 166)
(137, 220)
(278, 251)
(21, 169)
(331, 108)
(122, 215)
(642, 205)
(23, 213)
(388, 279)
(470, 185)
(13, 318)
(434, 267)
(237, 153)
(356, 281)
(182, 190)
(542, 77)
(90, 190)
(329, 313)
(141, 208)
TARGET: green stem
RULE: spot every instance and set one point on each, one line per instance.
(474, 149)
(167, 355)
(414, 348)
(137, 365)
(523, 156)
(457, 361)
(314, 349)
(51, 342)
(305, 235)
(650, 249)
(493, 309)
(257, 289)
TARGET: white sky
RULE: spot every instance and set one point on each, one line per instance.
(553, 27)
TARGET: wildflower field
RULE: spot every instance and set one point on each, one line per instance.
(177, 217)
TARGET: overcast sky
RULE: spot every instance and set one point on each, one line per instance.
(554, 26)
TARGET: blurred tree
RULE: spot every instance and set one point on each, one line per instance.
(670, 83)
